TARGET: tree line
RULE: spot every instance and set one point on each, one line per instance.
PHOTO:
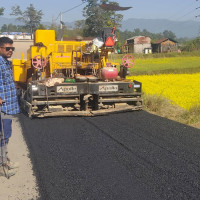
(30, 17)
(96, 19)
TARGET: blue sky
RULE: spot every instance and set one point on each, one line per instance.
(149, 9)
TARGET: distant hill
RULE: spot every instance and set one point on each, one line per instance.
(7, 21)
(13, 21)
(189, 29)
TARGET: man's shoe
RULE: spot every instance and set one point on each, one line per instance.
(6, 173)
(12, 165)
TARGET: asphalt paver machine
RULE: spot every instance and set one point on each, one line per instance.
(74, 78)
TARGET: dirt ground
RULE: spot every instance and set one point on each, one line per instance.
(22, 186)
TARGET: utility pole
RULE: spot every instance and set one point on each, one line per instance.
(61, 26)
(196, 17)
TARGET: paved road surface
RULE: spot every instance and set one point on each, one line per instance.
(127, 156)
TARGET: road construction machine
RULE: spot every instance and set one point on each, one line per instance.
(75, 78)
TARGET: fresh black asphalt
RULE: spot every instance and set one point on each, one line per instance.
(126, 156)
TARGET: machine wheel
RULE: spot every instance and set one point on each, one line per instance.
(128, 61)
(39, 62)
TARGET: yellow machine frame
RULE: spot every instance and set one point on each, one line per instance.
(72, 78)
(58, 55)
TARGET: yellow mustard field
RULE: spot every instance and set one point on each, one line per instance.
(181, 89)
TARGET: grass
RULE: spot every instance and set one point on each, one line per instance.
(164, 65)
(192, 116)
(161, 55)
(162, 106)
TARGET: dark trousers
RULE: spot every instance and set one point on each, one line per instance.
(5, 134)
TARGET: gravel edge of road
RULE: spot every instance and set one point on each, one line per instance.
(23, 185)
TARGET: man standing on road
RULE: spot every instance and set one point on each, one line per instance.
(8, 104)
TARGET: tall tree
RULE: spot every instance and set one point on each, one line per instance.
(4, 28)
(9, 28)
(79, 26)
(30, 17)
(2, 11)
(12, 28)
(169, 34)
(97, 18)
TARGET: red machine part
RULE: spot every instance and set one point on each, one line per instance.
(128, 61)
(39, 62)
(109, 73)
(110, 42)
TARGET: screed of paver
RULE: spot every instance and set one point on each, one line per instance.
(21, 186)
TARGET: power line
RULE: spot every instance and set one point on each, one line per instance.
(70, 9)
(187, 13)
(168, 25)
(73, 8)
(197, 17)
(181, 11)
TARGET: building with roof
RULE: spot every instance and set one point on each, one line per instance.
(138, 44)
(164, 45)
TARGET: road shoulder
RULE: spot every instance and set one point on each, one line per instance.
(23, 185)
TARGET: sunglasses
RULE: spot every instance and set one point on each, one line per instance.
(8, 48)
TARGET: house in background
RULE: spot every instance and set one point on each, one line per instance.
(164, 45)
(138, 44)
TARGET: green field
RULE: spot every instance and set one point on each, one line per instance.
(179, 64)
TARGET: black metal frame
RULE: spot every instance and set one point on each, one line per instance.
(87, 100)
